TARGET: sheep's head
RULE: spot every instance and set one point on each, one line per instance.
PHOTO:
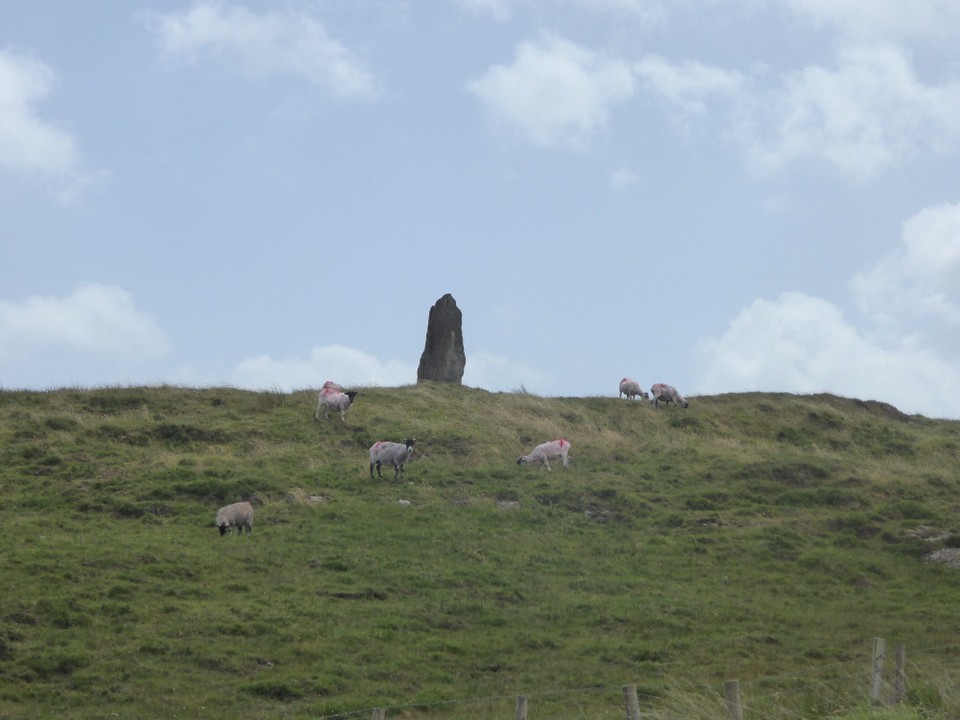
(351, 394)
(521, 460)
(685, 404)
(224, 528)
(410, 442)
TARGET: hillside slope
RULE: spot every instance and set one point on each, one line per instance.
(751, 535)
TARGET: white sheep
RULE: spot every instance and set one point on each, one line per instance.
(667, 394)
(631, 388)
(385, 452)
(332, 397)
(238, 515)
(544, 452)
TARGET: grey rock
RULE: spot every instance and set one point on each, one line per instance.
(443, 358)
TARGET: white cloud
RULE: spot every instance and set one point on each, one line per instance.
(95, 319)
(499, 374)
(652, 12)
(352, 367)
(263, 45)
(556, 93)
(905, 353)
(687, 85)
(869, 114)
(498, 9)
(882, 18)
(804, 344)
(29, 145)
(347, 366)
(915, 290)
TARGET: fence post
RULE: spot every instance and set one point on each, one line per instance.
(900, 674)
(379, 714)
(521, 707)
(630, 700)
(876, 677)
(731, 694)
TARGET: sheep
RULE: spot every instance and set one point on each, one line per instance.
(631, 388)
(542, 453)
(385, 452)
(238, 515)
(332, 397)
(667, 394)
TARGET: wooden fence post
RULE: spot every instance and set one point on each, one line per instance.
(379, 714)
(630, 700)
(876, 676)
(521, 707)
(731, 694)
(900, 674)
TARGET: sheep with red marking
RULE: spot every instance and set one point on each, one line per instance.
(332, 397)
(631, 388)
(546, 452)
(390, 453)
(666, 394)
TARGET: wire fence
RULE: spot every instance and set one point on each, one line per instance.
(926, 678)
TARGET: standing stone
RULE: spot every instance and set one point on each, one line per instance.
(443, 358)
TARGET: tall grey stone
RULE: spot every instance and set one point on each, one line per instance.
(443, 358)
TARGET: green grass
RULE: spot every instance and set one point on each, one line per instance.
(764, 537)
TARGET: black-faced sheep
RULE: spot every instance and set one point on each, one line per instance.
(666, 394)
(332, 397)
(385, 452)
(543, 453)
(239, 516)
(631, 388)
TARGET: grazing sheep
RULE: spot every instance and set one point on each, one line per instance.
(543, 453)
(332, 397)
(631, 388)
(667, 394)
(238, 515)
(390, 453)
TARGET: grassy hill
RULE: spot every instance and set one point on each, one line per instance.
(764, 537)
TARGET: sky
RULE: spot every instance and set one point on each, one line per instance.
(722, 195)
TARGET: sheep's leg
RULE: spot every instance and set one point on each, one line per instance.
(379, 476)
(396, 471)
(316, 415)
(371, 471)
(546, 461)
